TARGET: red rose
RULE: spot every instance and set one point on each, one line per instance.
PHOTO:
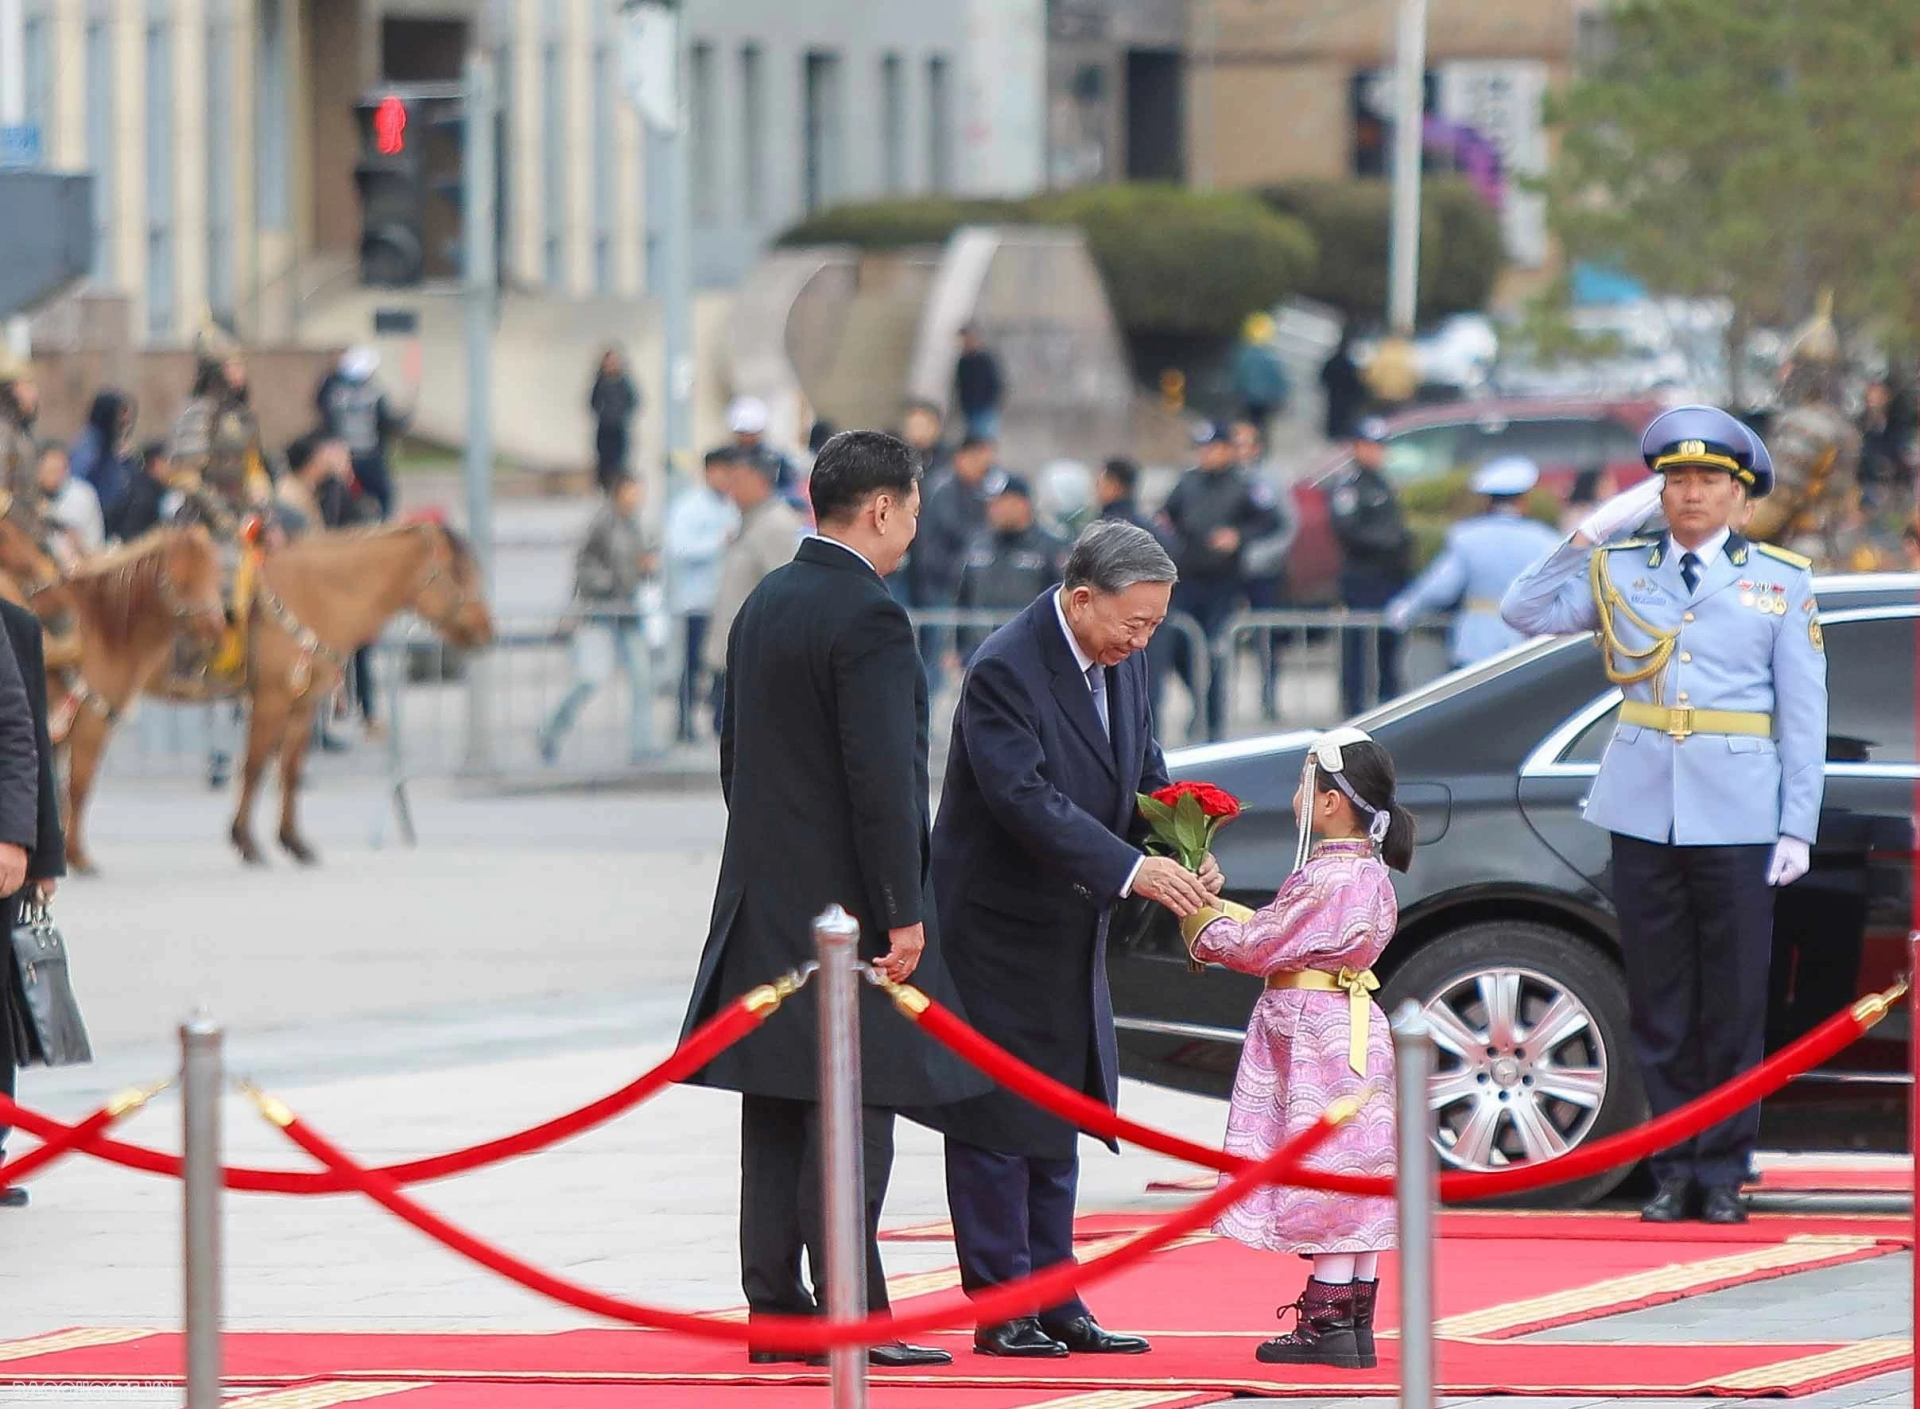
(1214, 802)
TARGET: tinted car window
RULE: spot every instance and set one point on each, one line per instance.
(1553, 444)
(1421, 454)
(1870, 697)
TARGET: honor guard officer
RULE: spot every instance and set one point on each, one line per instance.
(1482, 558)
(1711, 785)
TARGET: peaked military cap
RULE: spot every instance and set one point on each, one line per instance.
(1707, 438)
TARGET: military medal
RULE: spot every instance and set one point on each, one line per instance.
(1779, 606)
(1766, 604)
(1746, 599)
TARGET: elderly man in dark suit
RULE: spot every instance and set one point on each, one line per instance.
(33, 851)
(823, 760)
(1034, 845)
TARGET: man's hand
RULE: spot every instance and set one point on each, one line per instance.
(13, 867)
(1791, 858)
(43, 890)
(1163, 879)
(1622, 512)
(1224, 540)
(899, 961)
(1211, 876)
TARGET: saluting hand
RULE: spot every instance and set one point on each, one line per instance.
(1163, 879)
(901, 960)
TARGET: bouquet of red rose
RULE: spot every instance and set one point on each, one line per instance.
(1182, 819)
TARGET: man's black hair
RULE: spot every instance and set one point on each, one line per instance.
(853, 467)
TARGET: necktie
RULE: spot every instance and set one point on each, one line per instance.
(1097, 682)
(1690, 571)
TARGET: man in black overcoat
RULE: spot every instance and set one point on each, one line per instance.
(33, 851)
(1035, 843)
(823, 760)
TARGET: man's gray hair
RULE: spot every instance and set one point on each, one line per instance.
(1112, 555)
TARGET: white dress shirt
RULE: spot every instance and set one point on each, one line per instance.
(1086, 663)
(845, 548)
(1706, 552)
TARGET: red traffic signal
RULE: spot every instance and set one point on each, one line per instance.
(390, 126)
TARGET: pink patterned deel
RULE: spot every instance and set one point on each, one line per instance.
(1336, 911)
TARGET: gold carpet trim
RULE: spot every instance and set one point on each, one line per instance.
(1791, 1373)
(327, 1393)
(79, 1339)
(1677, 1277)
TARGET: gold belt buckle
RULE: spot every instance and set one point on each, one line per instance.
(1679, 722)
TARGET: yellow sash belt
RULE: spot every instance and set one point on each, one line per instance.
(1359, 986)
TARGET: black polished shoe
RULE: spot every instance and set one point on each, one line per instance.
(1722, 1205)
(898, 1355)
(1673, 1204)
(1021, 1339)
(13, 1196)
(1085, 1336)
(783, 1357)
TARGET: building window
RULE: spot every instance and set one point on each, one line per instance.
(606, 168)
(220, 128)
(753, 133)
(702, 115)
(271, 85)
(939, 124)
(823, 132)
(553, 157)
(162, 291)
(100, 115)
(893, 127)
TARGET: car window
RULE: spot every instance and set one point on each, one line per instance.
(1870, 696)
(1423, 453)
(1557, 443)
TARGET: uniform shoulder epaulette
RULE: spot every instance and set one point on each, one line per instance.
(1785, 555)
(1629, 543)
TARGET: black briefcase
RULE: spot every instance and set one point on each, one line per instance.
(47, 1030)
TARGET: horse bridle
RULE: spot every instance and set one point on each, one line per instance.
(433, 572)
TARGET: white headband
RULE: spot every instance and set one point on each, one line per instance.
(1324, 756)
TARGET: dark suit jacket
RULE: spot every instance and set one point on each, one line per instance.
(43, 838)
(1030, 851)
(823, 760)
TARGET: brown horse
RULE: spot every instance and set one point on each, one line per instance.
(318, 599)
(130, 606)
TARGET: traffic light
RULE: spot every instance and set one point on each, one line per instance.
(391, 180)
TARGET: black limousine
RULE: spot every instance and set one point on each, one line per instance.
(1507, 937)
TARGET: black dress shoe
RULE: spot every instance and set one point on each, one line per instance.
(13, 1196)
(1722, 1205)
(1021, 1339)
(1085, 1336)
(898, 1355)
(1671, 1205)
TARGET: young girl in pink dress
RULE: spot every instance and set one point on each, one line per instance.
(1315, 1036)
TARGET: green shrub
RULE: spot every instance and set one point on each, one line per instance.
(1174, 261)
(1350, 221)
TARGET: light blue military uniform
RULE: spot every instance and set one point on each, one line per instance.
(1482, 558)
(1747, 638)
(1710, 786)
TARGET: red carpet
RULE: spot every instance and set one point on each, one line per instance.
(533, 1370)
(412, 1394)
(1836, 1179)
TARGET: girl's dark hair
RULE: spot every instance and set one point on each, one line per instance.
(1368, 769)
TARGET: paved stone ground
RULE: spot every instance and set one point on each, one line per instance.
(531, 954)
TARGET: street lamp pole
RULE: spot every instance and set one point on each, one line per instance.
(1410, 66)
(13, 111)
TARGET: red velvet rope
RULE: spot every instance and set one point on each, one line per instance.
(806, 1333)
(726, 1027)
(33, 1161)
(1626, 1147)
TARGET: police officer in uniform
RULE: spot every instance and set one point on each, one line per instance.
(1482, 558)
(1375, 547)
(1215, 510)
(1711, 785)
(1012, 562)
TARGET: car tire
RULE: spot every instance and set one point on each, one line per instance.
(1540, 966)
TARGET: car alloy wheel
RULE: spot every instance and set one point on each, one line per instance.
(1520, 1068)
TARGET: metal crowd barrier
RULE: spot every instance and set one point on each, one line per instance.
(1290, 667)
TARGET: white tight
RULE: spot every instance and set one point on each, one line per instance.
(1339, 1268)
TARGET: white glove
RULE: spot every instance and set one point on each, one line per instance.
(1791, 858)
(1398, 615)
(1622, 512)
